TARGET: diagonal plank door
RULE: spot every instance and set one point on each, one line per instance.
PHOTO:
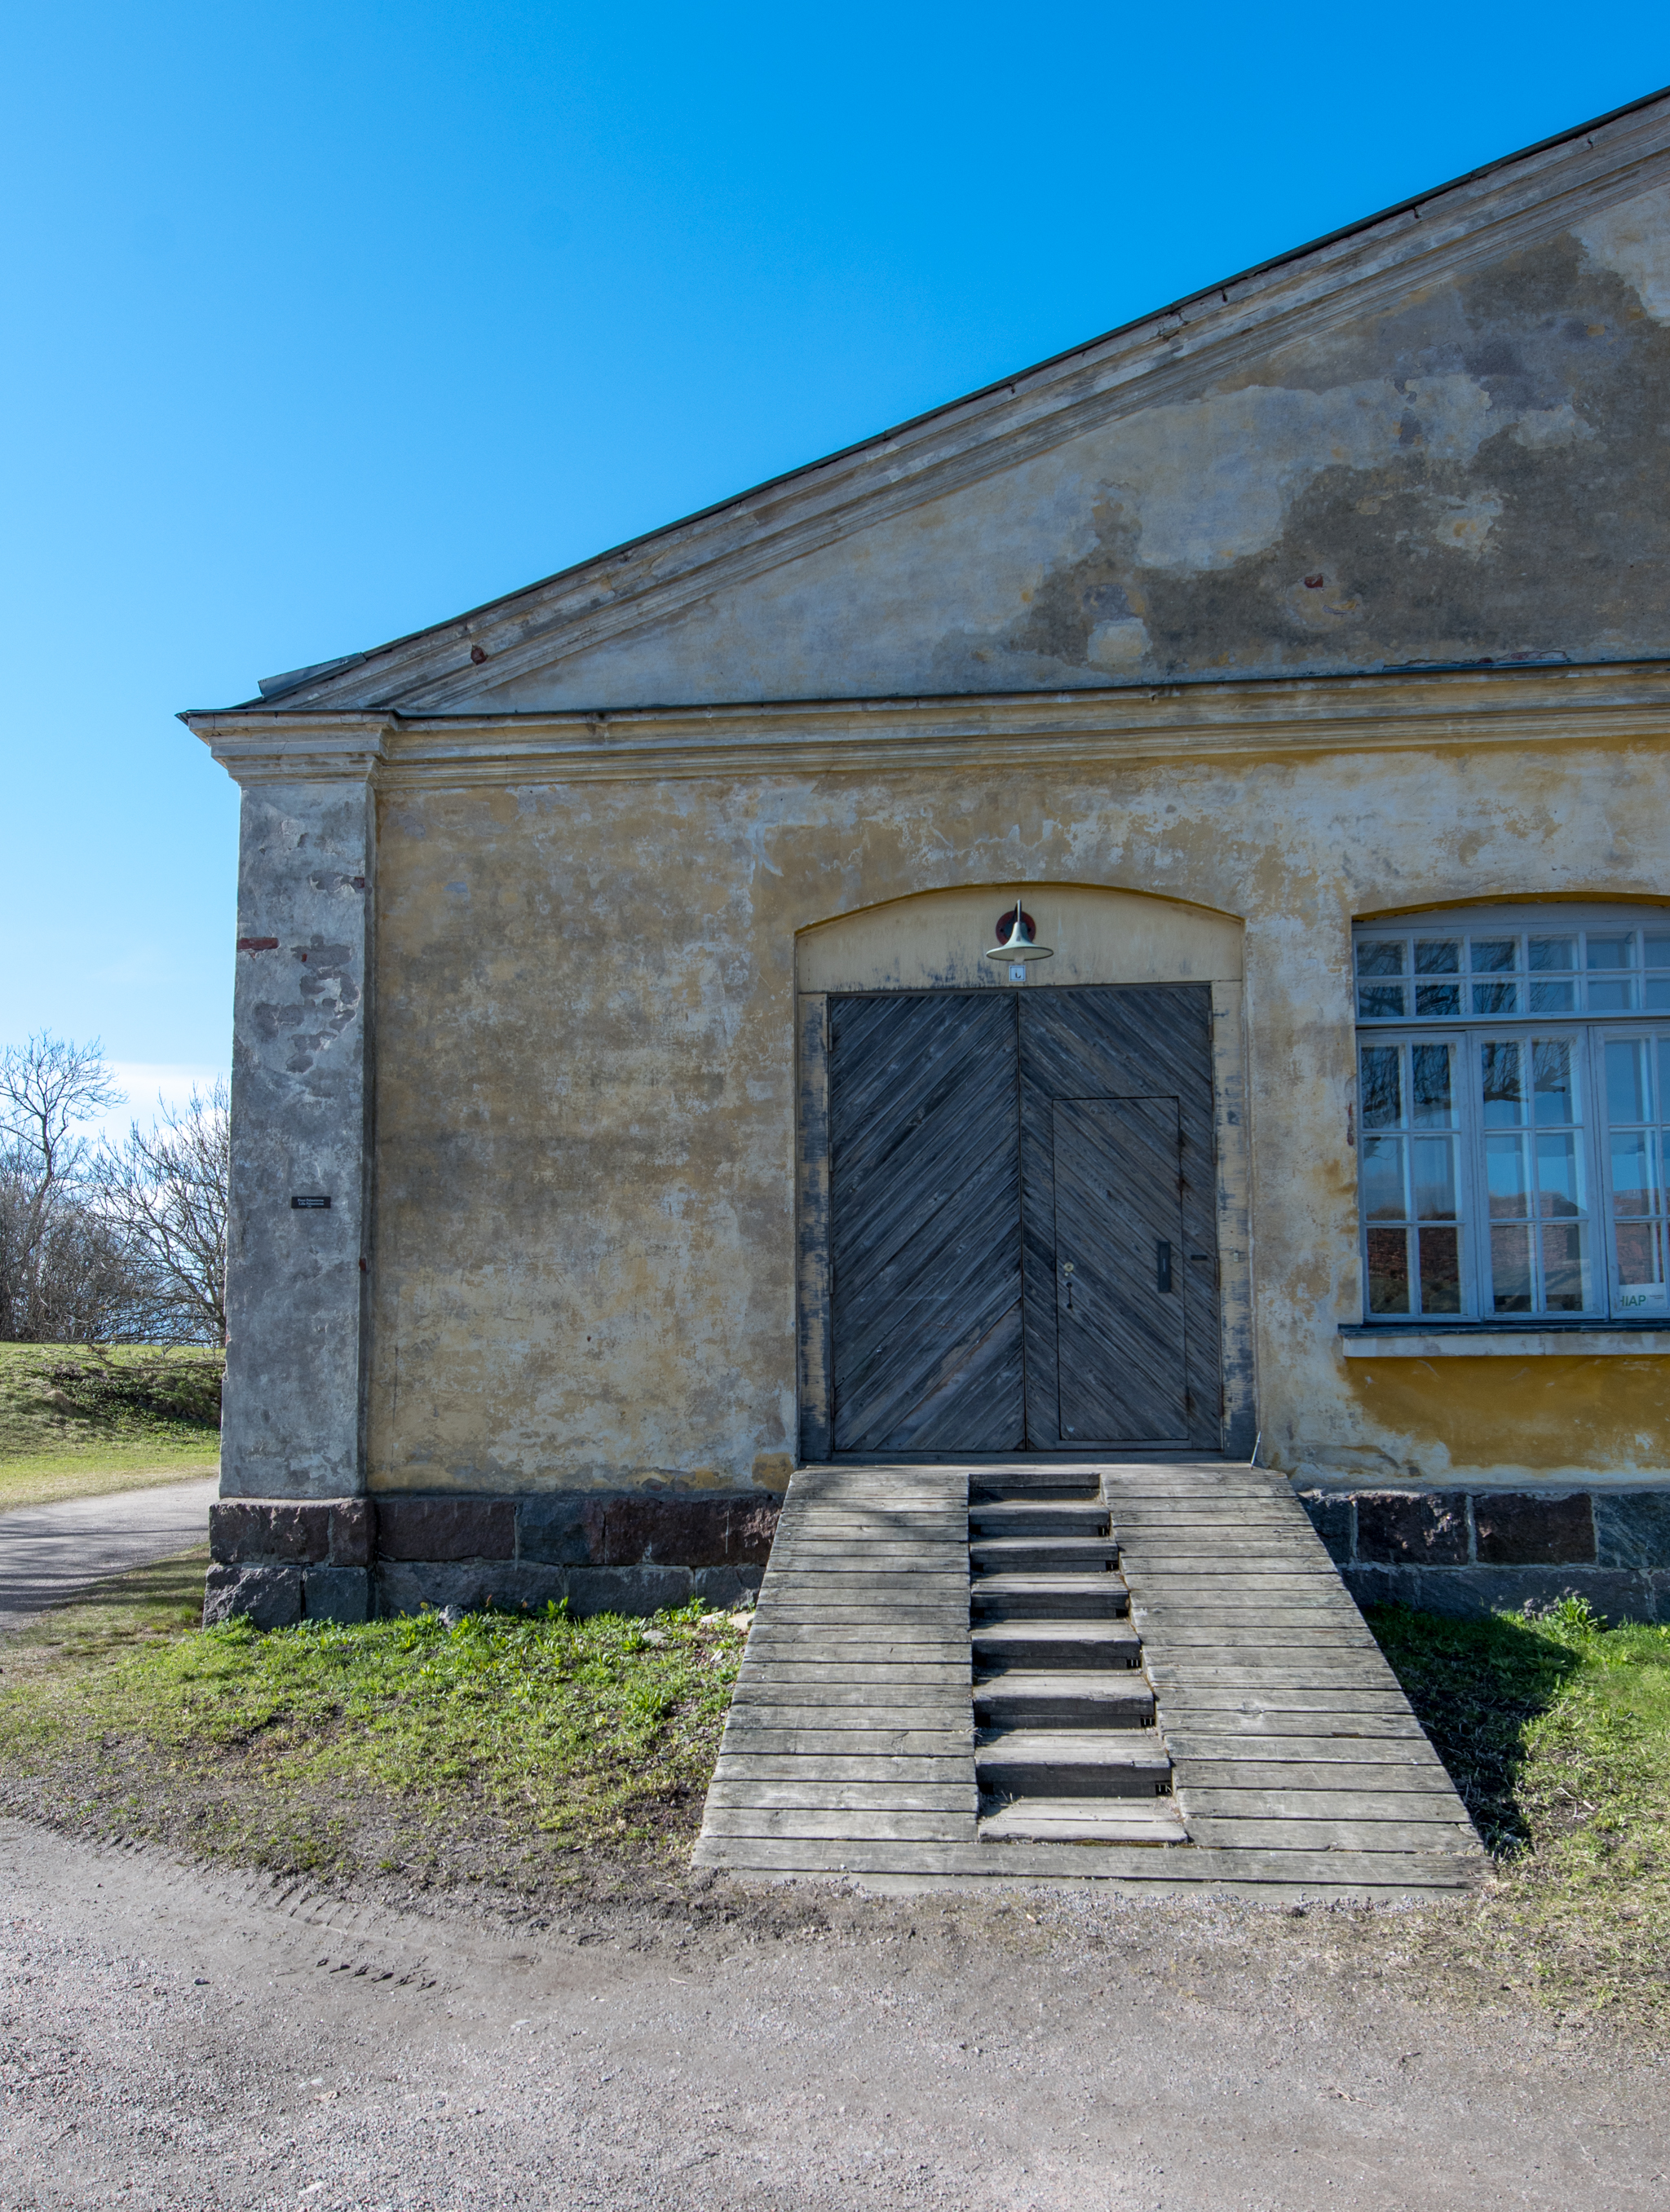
(1118, 1248)
(924, 1291)
(1103, 1041)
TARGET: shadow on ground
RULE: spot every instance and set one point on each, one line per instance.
(1476, 1687)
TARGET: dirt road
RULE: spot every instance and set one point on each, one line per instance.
(182, 2040)
(47, 1552)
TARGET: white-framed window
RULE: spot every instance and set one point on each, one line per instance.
(1514, 1112)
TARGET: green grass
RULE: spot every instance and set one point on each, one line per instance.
(1556, 1734)
(503, 1748)
(522, 1751)
(78, 1420)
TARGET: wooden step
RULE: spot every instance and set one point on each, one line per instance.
(1073, 1763)
(848, 1749)
(1042, 1555)
(1117, 1698)
(1051, 1643)
(1085, 1821)
(1052, 1482)
(1049, 1597)
(1040, 1517)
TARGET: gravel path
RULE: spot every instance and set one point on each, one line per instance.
(170, 2039)
(47, 1552)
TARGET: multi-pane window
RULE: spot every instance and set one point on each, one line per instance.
(1513, 1092)
(1637, 1076)
(1531, 1108)
(1451, 975)
(1409, 1181)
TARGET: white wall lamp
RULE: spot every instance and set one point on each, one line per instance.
(1020, 945)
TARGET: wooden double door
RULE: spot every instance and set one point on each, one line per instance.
(1021, 1231)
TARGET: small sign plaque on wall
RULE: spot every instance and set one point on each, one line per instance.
(1018, 971)
(306, 1205)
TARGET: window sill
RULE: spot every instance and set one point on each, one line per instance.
(1490, 1341)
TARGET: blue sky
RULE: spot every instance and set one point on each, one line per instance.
(324, 322)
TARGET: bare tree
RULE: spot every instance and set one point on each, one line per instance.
(62, 1275)
(65, 1275)
(164, 1192)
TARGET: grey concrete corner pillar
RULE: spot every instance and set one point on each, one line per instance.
(299, 1230)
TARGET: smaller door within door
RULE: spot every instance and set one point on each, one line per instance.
(1119, 1267)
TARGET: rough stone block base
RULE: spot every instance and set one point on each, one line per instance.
(1473, 1590)
(1483, 1551)
(338, 1532)
(1632, 1527)
(340, 1594)
(446, 1528)
(409, 1585)
(281, 1560)
(279, 1597)
(603, 1552)
(270, 1596)
(638, 1590)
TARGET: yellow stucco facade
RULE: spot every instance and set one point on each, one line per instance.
(1333, 593)
(585, 1256)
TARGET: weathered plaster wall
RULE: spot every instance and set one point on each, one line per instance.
(1609, 1415)
(1437, 439)
(295, 1401)
(1466, 467)
(585, 1267)
(938, 940)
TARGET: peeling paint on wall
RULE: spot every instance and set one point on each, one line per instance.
(1440, 443)
(1594, 1420)
(293, 1418)
(1472, 472)
(586, 1263)
(1633, 241)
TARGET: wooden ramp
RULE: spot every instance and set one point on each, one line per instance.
(851, 1719)
(1297, 1765)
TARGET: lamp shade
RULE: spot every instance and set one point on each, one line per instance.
(1019, 944)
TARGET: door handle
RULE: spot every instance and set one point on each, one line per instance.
(1066, 1277)
(1161, 1264)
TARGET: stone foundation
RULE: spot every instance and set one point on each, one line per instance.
(347, 1559)
(1475, 1551)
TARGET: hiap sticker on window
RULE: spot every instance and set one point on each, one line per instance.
(1637, 1298)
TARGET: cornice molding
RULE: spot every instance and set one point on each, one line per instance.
(298, 747)
(1214, 723)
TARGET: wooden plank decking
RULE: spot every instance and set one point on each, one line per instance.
(1287, 1729)
(852, 1718)
(850, 1749)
